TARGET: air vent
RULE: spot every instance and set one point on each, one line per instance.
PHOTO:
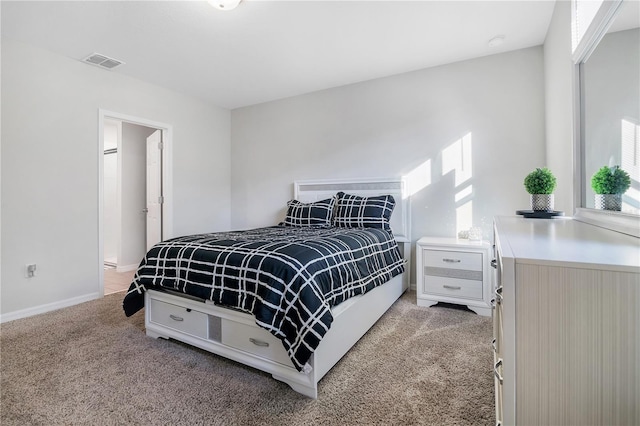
(102, 61)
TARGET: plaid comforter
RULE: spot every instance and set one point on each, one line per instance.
(288, 278)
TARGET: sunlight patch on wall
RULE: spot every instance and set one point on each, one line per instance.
(464, 193)
(419, 178)
(457, 158)
(464, 216)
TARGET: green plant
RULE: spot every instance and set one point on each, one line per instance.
(610, 180)
(540, 181)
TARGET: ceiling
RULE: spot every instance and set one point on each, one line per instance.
(267, 50)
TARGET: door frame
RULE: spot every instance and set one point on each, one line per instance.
(167, 178)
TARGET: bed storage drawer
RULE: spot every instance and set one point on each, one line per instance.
(179, 318)
(255, 340)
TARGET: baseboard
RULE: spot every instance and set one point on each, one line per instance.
(24, 313)
(126, 268)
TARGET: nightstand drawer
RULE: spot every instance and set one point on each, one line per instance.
(453, 260)
(454, 287)
(186, 320)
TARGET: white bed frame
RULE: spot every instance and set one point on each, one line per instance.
(235, 335)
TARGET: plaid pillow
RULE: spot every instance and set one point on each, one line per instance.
(312, 214)
(353, 211)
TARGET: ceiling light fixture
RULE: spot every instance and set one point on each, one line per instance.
(496, 41)
(224, 4)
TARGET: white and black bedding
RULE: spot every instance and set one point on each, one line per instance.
(287, 277)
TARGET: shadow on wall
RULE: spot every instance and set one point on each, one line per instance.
(456, 165)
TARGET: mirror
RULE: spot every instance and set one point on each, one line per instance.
(609, 120)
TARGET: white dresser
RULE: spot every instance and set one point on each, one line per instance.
(566, 323)
(453, 270)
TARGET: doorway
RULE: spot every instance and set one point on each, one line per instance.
(135, 194)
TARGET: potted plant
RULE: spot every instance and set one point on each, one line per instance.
(541, 183)
(609, 183)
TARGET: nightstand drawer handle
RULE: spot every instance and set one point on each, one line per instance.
(176, 318)
(446, 259)
(258, 342)
(498, 294)
(452, 287)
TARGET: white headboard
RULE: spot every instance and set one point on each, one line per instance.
(313, 190)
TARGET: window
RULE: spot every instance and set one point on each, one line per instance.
(582, 13)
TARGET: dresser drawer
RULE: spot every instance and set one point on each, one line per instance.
(452, 260)
(454, 287)
(254, 340)
(185, 320)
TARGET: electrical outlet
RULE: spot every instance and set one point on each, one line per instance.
(31, 270)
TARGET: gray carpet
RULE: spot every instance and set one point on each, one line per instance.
(89, 364)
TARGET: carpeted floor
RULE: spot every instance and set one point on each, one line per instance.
(89, 364)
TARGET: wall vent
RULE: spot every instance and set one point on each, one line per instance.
(102, 61)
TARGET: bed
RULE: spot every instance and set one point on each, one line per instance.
(289, 299)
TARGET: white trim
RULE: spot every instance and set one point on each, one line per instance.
(597, 29)
(615, 221)
(119, 162)
(24, 313)
(127, 268)
(578, 153)
(167, 178)
(101, 118)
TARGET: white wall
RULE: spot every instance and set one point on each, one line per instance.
(49, 170)
(558, 70)
(393, 126)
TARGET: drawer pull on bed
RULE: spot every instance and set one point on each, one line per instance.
(258, 342)
(176, 318)
(452, 287)
(448, 260)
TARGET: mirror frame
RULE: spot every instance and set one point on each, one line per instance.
(616, 221)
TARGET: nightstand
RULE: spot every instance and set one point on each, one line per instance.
(454, 270)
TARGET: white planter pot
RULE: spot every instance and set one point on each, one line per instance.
(542, 202)
(608, 202)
